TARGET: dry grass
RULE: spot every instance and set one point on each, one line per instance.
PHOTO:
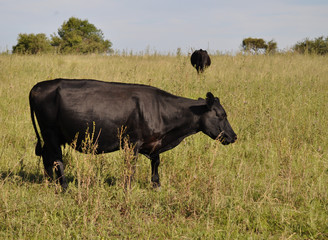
(271, 184)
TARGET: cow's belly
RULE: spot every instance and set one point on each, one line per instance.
(90, 135)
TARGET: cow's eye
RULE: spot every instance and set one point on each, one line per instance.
(218, 114)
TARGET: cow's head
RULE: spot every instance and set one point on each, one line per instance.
(214, 122)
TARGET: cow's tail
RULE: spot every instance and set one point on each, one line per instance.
(38, 148)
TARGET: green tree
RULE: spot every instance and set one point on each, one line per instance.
(257, 45)
(32, 44)
(317, 46)
(253, 44)
(80, 36)
(271, 47)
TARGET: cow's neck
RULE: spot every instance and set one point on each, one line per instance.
(188, 121)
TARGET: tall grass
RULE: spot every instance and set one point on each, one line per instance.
(271, 184)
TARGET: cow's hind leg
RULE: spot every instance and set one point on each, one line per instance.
(52, 157)
(155, 161)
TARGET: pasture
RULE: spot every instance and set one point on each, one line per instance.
(271, 184)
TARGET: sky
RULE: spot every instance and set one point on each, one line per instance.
(166, 25)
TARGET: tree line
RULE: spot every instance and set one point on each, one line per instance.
(258, 45)
(74, 36)
(77, 36)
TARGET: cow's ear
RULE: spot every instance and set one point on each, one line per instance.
(209, 100)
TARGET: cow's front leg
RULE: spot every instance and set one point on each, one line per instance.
(59, 169)
(154, 170)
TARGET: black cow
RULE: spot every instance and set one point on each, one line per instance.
(154, 121)
(200, 60)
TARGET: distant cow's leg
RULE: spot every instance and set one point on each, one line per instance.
(198, 69)
(154, 170)
(52, 157)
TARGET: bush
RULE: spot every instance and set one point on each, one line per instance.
(32, 44)
(317, 46)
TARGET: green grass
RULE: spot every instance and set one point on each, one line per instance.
(271, 184)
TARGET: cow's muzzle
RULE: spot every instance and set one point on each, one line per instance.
(225, 139)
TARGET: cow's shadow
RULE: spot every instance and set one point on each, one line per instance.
(38, 178)
(21, 175)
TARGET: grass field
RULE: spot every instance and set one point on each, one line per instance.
(271, 184)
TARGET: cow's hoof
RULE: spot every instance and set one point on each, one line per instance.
(156, 185)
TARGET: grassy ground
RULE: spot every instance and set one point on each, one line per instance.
(271, 184)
